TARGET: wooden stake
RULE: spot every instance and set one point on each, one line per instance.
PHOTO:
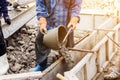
(61, 77)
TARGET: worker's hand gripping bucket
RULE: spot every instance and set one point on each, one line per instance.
(54, 37)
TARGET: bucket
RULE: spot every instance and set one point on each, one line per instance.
(54, 37)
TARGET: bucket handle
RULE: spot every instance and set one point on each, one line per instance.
(65, 38)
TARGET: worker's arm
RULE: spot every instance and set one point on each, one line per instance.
(75, 12)
(41, 14)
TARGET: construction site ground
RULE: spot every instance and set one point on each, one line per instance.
(21, 48)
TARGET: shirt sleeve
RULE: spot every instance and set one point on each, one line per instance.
(76, 7)
(41, 9)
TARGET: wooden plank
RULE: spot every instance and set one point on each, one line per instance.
(97, 29)
(81, 63)
(87, 21)
(101, 56)
(93, 21)
(116, 38)
(110, 47)
(81, 74)
(107, 49)
(100, 20)
(60, 77)
(97, 46)
(118, 35)
(90, 12)
(91, 67)
(70, 76)
(22, 76)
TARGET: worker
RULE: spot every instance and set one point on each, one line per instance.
(21, 3)
(51, 14)
(4, 66)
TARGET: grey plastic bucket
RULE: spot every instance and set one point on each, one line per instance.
(54, 37)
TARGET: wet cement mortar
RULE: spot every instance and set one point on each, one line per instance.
(21, 49)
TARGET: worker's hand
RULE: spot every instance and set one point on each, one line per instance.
(43, 24)
(43, 28)
(73, 22)
(6, 18)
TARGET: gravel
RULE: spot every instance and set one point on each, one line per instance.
(21, 50)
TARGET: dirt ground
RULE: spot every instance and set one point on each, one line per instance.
(20, 50)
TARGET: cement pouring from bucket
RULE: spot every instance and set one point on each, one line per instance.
(65, 52)
(57, 39)
(54, 37)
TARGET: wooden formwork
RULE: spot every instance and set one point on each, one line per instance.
(94, 63)
(59, 66)
(91, 19)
